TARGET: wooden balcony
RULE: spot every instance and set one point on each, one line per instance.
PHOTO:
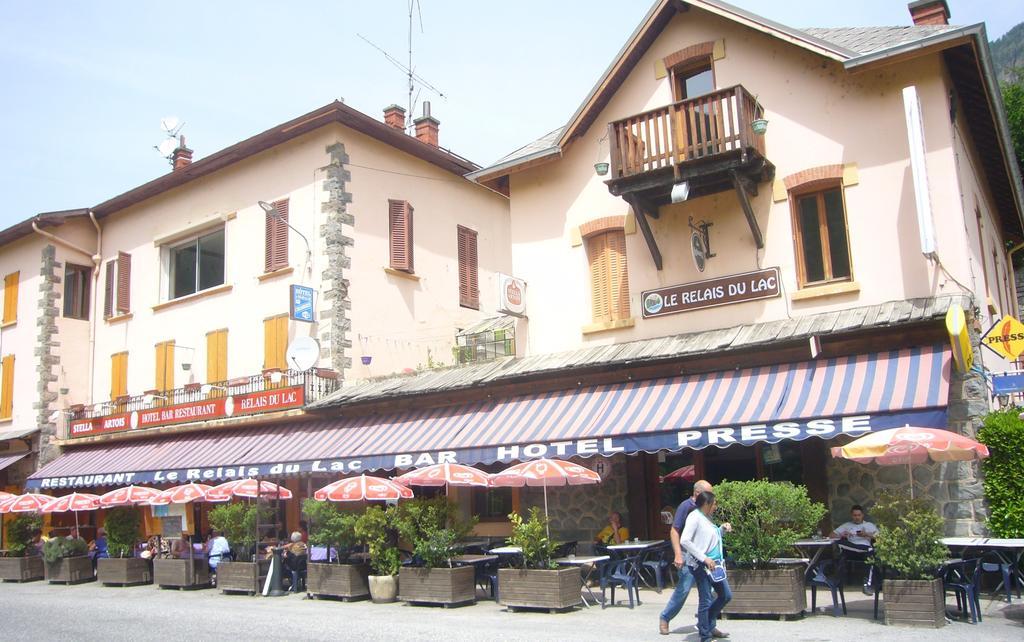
(707, 141)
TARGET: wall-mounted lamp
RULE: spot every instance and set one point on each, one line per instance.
(186, 363)
(150, 397)
(207, 388)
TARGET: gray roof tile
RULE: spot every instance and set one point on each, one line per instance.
(865, 40)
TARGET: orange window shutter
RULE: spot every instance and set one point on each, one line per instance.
(618, 275)
(11, 297)
(275, 342)
(597, 251)
(118, 375)
(124, 282)
(276, 243)
(217, 356)
(400, 235)
(165, 366)
(7, 387)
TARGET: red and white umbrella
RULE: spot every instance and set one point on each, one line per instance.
(27, 503)
(128, 496)
(363, 488)
(247, 488)
(445, 475)
(686, 473)
(545, 472)
(184, 494)
(911, 445)
(75, 502)
(4, 496)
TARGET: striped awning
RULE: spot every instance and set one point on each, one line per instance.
(7, 460)
(823, 398)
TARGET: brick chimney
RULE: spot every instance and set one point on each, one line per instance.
(181, 156)
(929, 12)
(426, 126)
(394, 116)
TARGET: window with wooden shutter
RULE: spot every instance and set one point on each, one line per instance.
(164, 366)
(108, 289)
(820, 234)
(400, 235)
(216, 356)
(11, 297)
(275, 251)
(124, 282)
(275, 342)
(76, 291)
(7, 387)
(469, 285)
(609, 276)
(118, 375)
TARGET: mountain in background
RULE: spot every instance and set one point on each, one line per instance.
(1008, 53)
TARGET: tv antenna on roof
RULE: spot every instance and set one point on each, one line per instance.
(410, 71)
(172, 127)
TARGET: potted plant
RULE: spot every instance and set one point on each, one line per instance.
(67, 561)
(908, 547)
(23, 562)
(538, 584)
(122, 568)
(375, 529)
(766, 518)
(759, 124)
(237, 522)
(334, 529)
(433, 527)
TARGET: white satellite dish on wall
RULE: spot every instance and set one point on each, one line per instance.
(302, 353)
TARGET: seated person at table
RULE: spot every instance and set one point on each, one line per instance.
(295, 559)
(857, 538)
(614, 532)
(218, 551)
(35, 546)
(179, 547)
(74, 534)
(98, 547)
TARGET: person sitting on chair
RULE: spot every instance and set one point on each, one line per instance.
(98, 548)
(614, 532)
(857, 539)
(219, 550)
(295, 558)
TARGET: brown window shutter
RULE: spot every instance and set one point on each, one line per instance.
(108, 290)
(597, 254)
(400, 235)
(469, 291)
(124, 282)
(276, 242)
(618, 275)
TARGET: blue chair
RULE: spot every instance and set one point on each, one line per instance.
(488, 573)
(827, 574)
(622, 573)
(964, 580)
(657, 562)
(992, 563)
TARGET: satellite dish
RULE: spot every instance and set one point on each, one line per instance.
(169, 124)
(166, 147)
(303, 353)
(700, 257)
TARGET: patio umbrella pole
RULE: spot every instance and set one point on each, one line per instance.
(910, 476)
(547, 523)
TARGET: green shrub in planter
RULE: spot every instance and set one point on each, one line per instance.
(376, 528)
(19, 534)
(766, 518)
(237, 521)
(1003, 433)
(909, 533)
(432, 526)
(61, 547)
(328, 525)
(122, 526)
(531, 536)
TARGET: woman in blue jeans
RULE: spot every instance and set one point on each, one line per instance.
(703, 543)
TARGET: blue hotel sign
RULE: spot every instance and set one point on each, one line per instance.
(301, 303)
(1008, 384)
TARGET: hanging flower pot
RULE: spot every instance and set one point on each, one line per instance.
(760, 126)
(366, 360)
(601, 168)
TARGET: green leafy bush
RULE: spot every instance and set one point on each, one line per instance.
(766, 518)
(909, 531)
(122, 526)
(435, 547)
(1003, 433)
(329, 526)
(237, 521)
(61, 547)
(431, 526)
(19, 533)
(531, 536)
(376, 528)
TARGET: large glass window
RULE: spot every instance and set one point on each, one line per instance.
(823, 248)
(197, 265)
(76, 291)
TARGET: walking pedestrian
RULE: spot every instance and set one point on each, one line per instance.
(704, 556)
(685, 581)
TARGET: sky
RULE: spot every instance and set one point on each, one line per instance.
(86, 84)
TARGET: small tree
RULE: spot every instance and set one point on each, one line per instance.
(1003, 433)
(20, 531)
(61, 547)
(909, 532)
(375, 528)
(531, 536)
(766, 517)
(432, 526)
(237, 521)
(329, 526)
(122, 526)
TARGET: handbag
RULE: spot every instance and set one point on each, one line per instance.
(718, 574)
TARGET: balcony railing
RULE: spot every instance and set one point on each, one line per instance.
(315, 384)
(688, 130)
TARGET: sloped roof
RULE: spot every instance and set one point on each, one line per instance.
(42, 221)
(865, 40)
(632, 353)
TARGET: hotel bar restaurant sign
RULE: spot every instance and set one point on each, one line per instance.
(736, 288)
(202, 410)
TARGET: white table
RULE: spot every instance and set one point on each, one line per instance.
(582, 561)
(1009, 550)
(506, 550)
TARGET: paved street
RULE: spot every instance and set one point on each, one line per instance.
(37, 611)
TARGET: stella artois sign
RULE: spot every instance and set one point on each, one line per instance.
(511, 295)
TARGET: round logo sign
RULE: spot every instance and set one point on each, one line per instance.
(653, 303)
(133, 420)
(229, 406)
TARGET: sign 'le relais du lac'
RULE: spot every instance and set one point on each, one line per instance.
(735, 288)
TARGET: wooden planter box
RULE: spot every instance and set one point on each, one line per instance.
(124, 571)
(69, 570)
(242, 577)
(767, 592)
(347, 581)
(175, 573)
(914, 602)
(537, 589)
(21, 569)
(447, 586)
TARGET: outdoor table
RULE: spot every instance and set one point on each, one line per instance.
(635, 547)
(506, 550)
(473, 543)
(1009, 551)
(472, 560)
(592, 561)
(813, 549)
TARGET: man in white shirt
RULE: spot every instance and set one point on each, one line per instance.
(857, 541)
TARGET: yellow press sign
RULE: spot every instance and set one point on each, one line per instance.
(959, 338)
(1005, 338)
